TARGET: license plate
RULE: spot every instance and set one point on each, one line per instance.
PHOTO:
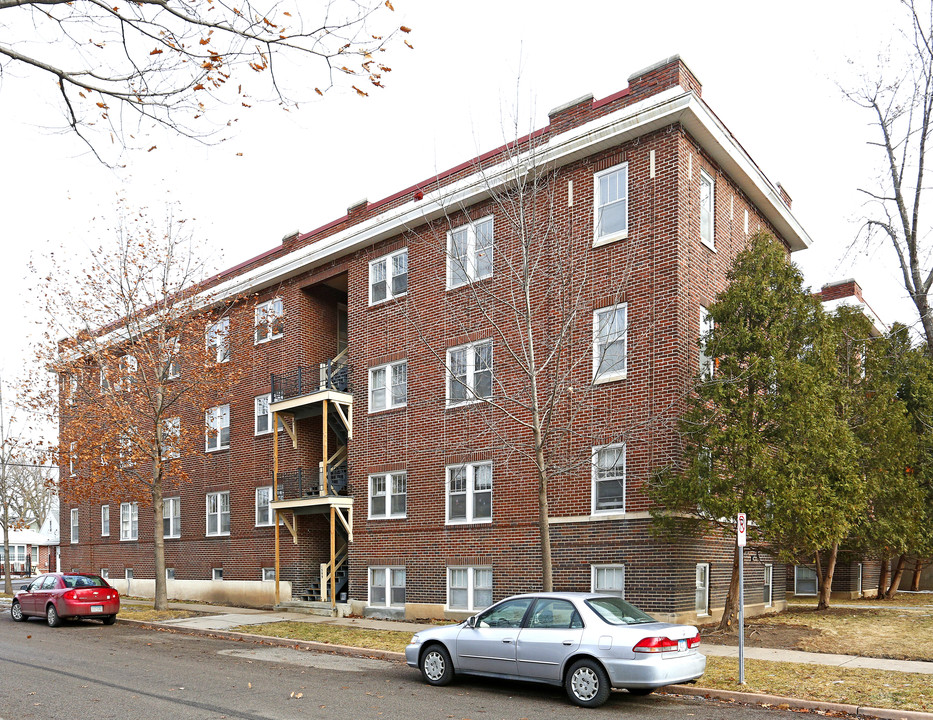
(100, 609)
(681, 645)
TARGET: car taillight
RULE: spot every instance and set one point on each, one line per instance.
(655, 644)
(694, 642)
(70, 595)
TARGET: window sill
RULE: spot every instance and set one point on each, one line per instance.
(264, 525)
(388, 409)
(710, 246)
(212, 535)
(387, 517)
(171, 537)
(467, 523)
(385, 301)
(268, 339)
(465, 403)
(615, 514)
(609, 239)
(135, 539)
(471, 281)
(603, 379)
(214, 450)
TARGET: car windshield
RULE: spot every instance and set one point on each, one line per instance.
(78, 581)
(616, 611)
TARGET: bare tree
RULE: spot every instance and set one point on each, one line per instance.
(120, 68)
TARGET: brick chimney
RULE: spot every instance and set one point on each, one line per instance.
(663, 75)
(841, 289)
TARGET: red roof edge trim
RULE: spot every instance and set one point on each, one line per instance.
(610, 98)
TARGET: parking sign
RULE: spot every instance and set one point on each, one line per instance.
(741, 530)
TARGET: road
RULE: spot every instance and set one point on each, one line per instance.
(86, 670)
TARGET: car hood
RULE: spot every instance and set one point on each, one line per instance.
(442, 632)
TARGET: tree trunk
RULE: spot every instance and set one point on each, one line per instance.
(915, 581)
(544, 527)
(896, 577)
(883, 579)
(730, 611)
(160, 601)
(826, 577)
(7, 584)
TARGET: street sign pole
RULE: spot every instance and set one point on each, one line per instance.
(741, 535)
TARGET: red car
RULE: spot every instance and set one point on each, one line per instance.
(58, 596)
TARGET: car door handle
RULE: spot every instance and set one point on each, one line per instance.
(568, 642)
(507, 640)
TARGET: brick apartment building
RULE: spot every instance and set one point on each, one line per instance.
(402, 466)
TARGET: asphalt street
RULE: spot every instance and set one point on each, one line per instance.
(88, 670)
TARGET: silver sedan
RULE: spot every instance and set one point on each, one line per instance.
(586, 642)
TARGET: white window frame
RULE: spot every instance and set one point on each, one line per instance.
(389, 576)
(707, 364)
(170, 359)
(214, 419)
(816, 582)
(218, 513)
(708, 210)
(270, 519)
(471, 586)
(469, 492)
(174, 520)
(267, 321)
(769, 583)
(217, 340)
(169, 573)
(71, 458)
(469, 265)
(385, 378)
(595, 509)
(618, 571)
(105, 521)
(859, 578)
(104, 379)
(267, 574)
(127, 368)
(129, 521)
(262, 402)
(388, 490)
(470, 373)
(217, 574)
(600, 342)
(128, 573)
(386, 269)
(599, 237)
(75, 525)
(34, 557)
(702, 611)
(171, 438)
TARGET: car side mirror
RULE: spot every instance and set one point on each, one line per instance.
(471, 621)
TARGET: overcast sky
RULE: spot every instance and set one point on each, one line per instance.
(769, 71)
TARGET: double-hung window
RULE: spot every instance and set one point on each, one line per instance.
(217, 340)
(129, 521)
(171, 360)
(388, 276)
(74, 525)
(388, 386)
(171, 438)
(269, 323)
(609, 478)
(469, 493)
(104, 378)
(388, 494)
(608, 580)
(128, 367)
(707, 206)
(469, 253)
(702, 589)
(217, 426)
(263, 510)
(707, 365)
(104, 520)
(263, 415)
(469, 372)
(611, 204)
(171, 517)
(218, 513)
(72, 451)
(610, 343)
(387, 586)
(469, 588)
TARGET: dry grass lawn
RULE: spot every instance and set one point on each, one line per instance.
(332, 634)
(147, 614)
(901, 599)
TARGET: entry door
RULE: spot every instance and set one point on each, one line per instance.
(702, 601)
(551, 635)
(489, 647)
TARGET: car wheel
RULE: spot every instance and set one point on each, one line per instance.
(587, 684)
(17, 612)
(436, 666)
(641, 691)
(110, 620)
(51, 616)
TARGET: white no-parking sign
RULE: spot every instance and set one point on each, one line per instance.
(741, 530)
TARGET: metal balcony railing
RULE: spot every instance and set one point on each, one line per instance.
(306, 482)
(331, 375)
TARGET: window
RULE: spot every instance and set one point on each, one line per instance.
(105, 573)
(218, 513)
(702, 585)
(746, 221)
(171, 517)
(170, 359)
(104, 379)
(609, 478)
(128, 573)
(469, 253)
(217, 340)
(610, 340)
(129, 521)
(608, 579)
(387, 586)
(707, 203)
(469, 588)
(469, 493)
(34, 557)
(805, 581)
(104, 520)
(72, 451)
(72, 383)
(858, 587)
(171, 434)
(469, 372)
(388, 386)
(127, 377)
(388, 277)
(263, 415)
(387, 495)
(611, 204)
(126, 448)
(553, 614)
(217, 574)
(768, 583)
(269, 323)
(707, 365)
(169, 573)
(74, 525)
(263, 511)
(217, 422)
(268, 574)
